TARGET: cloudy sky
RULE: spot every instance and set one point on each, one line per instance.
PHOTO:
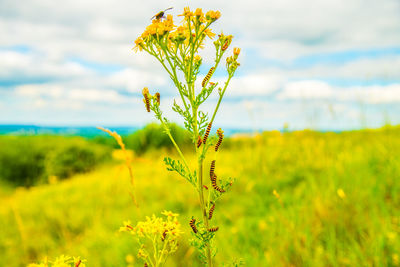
(322, 64)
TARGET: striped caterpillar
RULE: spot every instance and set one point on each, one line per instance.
(225, 46)
(207, 133)
(213, 229)
(212, 169)
(220, 134)
(199, 141)
(146, 98)
(157, 95)
(208, 76)
(192, 224)
(214, 184)
(211, 212)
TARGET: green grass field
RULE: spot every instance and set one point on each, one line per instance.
(338, 205)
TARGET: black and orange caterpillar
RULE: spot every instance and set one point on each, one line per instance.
(164, 235)
(213, 229)
(192, 224)
(211, 211)
(207, 133)
(146, 98)
(208, 76)
(214, 184)
(157, 95)
(199, 141)
(225, 46)
(212, 169)
(220, 134)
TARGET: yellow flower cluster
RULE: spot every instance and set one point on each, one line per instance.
(231, 62)
(213, 15)
(162, 233)
(62, 261)
(153, 225)
(163, 34)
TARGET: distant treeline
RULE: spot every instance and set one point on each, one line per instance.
(29, 160)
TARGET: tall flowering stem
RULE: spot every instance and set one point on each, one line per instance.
(176, 47)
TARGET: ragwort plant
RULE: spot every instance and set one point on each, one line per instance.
(176, 48)
(157, 238)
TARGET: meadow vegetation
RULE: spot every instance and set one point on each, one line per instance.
(32, 160)
(301, 198)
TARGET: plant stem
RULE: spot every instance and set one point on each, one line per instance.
(203, 209)
(201, 195)
(220, 98)
(176, 145)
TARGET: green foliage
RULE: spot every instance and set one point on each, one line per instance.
(26, 160)
(177, 166)
(152, 137)
(22, 160)
(105, 140)
(313, 223)
(74, 157)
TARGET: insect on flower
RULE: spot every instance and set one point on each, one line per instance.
(78, 263)
(160, 14)
(146, 98)
(164, 235)
(157, 95)
(225, 46)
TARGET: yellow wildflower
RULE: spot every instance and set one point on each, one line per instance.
(236, 51)
(127, 226)
(129, 258)
(170, 213)
(197, 58)
(209, 33)
(341, 193)
(276, 194)
(186, 13)
(181, 30)
(200, 15)
(213, 15)
(138, 44)
(169, 23)
(198, 12)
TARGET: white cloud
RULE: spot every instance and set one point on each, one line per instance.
(306, 90)
(318, 90)
(134, 80)
(254, 85)
(56, 92)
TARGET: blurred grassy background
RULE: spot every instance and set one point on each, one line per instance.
(338, 205)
